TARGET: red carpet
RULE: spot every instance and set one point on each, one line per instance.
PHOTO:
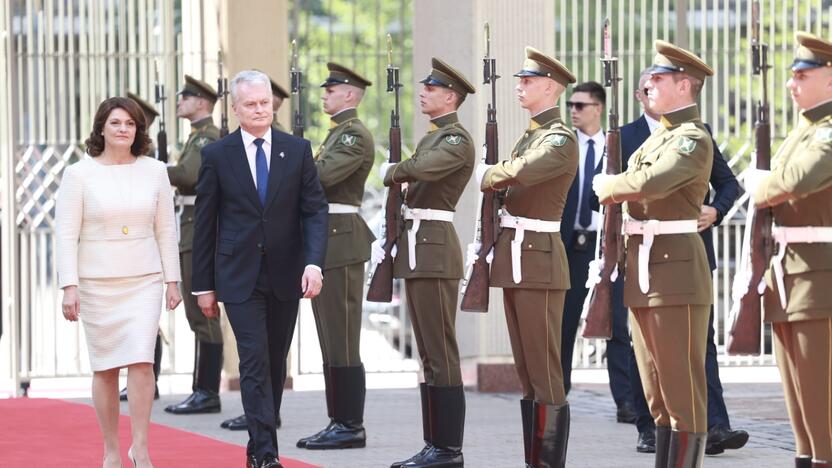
(43, 432)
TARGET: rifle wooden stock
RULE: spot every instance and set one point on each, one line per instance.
(475, 298)
(598, 322)
(381, 282)
(747, 327)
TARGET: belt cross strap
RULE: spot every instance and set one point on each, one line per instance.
(520, 226)
(649, 230)
(186, 200)
(341, 208)
(793, 235)
(418, 215)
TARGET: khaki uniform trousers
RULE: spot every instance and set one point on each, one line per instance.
(804, 356)
(669, 344)
(431, 305)
(534, 318)
(337, 312)
(206, 330)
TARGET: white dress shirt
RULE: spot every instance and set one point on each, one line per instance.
(599, 143)
(652, 123)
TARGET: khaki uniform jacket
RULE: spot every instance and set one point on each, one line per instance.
(666, 180)
(537, 179)
(436, 176)
(184, 174)
(344, 161)
(799, 191)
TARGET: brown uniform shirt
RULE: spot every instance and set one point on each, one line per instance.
(537, 178)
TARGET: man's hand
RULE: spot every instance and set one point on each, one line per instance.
(311, 282)
(208, 304)
(707, 217)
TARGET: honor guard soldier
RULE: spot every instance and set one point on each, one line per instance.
(430, 260)
(668, 280)
(196, 103)
(278, 95)
(797, 301)
(529, 260)
(344, 161)
(150, 114)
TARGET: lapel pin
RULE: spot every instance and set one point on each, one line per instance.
(282, 155)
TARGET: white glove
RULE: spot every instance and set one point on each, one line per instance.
(752, 178)
(385, 167)
(482, 168)
(594, 274)
(599, 181)
(377, 251)
(471, 254)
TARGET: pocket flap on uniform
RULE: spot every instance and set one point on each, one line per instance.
(430, 235)
(540, 242)
(340, 224)
(667, 252)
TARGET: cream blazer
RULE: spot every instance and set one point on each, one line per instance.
(115, 221)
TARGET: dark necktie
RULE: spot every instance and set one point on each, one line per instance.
(262, 170)
(585, 216)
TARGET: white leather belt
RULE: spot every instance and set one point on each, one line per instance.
(186, 200)
(520, 226)
(649, 229)
(418, 215)
(793, 235)
(340, 208)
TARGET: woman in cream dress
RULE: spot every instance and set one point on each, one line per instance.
(117, 259)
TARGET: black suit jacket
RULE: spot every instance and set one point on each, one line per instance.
(234, 232)
(726, 187)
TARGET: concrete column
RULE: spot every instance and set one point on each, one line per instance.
(453, 31)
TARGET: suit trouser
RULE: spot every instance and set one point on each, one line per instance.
(618, 352)
(337, 312)
(431, 305)
(263, 326)
(804, 357)
(534, 318)
(669, 344)
(717, 412)
(207, 330)
(573, 305)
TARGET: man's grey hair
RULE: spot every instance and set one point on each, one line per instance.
(249, 77)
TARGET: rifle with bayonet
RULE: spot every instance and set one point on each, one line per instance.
(162, 135)
(599, 306)
(222, 94)
(297, 93)
(475, 284)
(380, 282)
(757, 241)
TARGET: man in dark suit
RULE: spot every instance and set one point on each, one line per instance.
(726, 188)
(259, 246)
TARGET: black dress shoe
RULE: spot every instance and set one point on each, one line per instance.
(270, 461)
(200, 401)
(626, 414)
(251, 462)
(419, 454)
(721, 438)
(302, 442)
(339, 436)
(235, 424)
(646, 442)
(438, 457)
(122, 395)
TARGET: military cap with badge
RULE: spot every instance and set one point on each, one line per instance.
(197, 88)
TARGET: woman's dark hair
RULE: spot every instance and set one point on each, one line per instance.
(95, 143)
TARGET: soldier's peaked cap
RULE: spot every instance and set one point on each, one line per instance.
(278, 90)
(147, 107)
(539, 64)
(812, 52)
(339, 74)
(195, 87)
(445, 75)
(672, 59)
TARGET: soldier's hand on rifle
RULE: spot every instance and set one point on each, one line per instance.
(752, 178)
(599, 181)
(385, 167)
(377, 253)
(471, 253)
(482, 168)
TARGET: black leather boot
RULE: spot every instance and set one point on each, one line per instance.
(550, 437)
(821, 464)
(328, 396)
(205, 398)
(662, 446)
(425, 397)
(687, 449)
(804, 461)
(347, 427)
(526, 410)
(447, 426)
